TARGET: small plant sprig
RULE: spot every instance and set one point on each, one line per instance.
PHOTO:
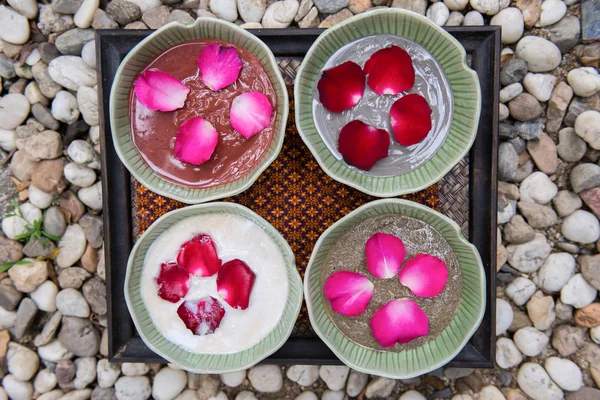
(36, 231)
(8, 265)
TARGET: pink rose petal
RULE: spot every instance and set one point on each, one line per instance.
(202, 316)
(425, 275)
(399, 321)
(173, 282)
(199, 257)
(390, 71)
(341, 87)
(196, 141)
(219, 66)
(235, 282)
(385, 254)
(160, 91)
(250, 113)
(348, 292)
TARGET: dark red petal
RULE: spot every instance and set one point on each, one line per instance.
(363, 145)
(199, 256)
(410, 117)
(201, 316)
(341, 87)
(390, 71)
(173, 282)
(235, 282)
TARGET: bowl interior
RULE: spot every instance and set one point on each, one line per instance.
(433, 354)
(209, 363)
(161, 40)
(448, 53)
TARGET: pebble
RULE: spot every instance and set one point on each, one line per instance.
(266, 378)
(45, 381)
(43, 115)
(456, 5)
(538, 188)
(72, 277)
(28, 277)
(520, 290)
(489, 7)
(92, 196)
(412, 395)
(507, 354)
(536, 383)
(102, 20)
(585, 176)
(135, 369)
(14, 108)
(87, 99)
(85, 14)
(540, 85)
(123, 11)
(14, 27)
(541, 312)
(503, 112)
(504, 316)
(235, 379)
(22, 363)
(107, 373)
(224, 9)
(511, 21)
(39, 198)
(565, 373)
(510, 92)
(334, 376)
(245, 395)
(27, 8)
(525, 107)
(577, 292)
(565, 33)
(52, 395)
(54, 222)
(529, 257)
(585, 393)
(7, 140)
(71, 303)
(530, 341)
(585, 81)
(595, 335)
(356, 383)
(513, 71)
(49, 330)
(330, 6)
(15, 388)
(83, 153)
(587, 126)
(568, 339)
(538, 216)
(455, 19)
(179, 16)
(280, 14)
(72, 41)
(556, 272)
(590, 269)
(45, 296)
(307, 396)
(7, 318)
(79, 175)
(168, 383)
(491, 392)
(71, 72)
(531, 10)
(438, 13)
(86, 372)
(380, 387)
(473, 18)
(72, 245)
(79, 336)
(252, 10)
(581, 226)
(65, 108)
(94, 292)
(303, 375)
(133, 388)
(540, 54)
(508, 161)
(552, 12)
(54, 352)
(571, 147)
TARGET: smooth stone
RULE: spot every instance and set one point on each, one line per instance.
(587, 126)
(27, 8)
(133, 388)
(334, 376)
(590, 268)
(22, 362)
(94, 292)
(438, 13)
(530, 341)
(565, 373)
(123, 11)
(280, 14)
(510, 92)
(72, 246)
(536, 383)
(72, 277)
(540, 85)
(43, 115)
(45, 296)
(72, 41)
(14, 108)
(14, 27)
(28, 276)
(266, 378)
(44, 381)
(565, 33)
(86, 373)
(503, 112)
(380, 387)
(235, 379)
(54, 222)
(135, 369)
(540, 309)
(508, 161)
(356, 383)
(17, 389)
(552, 12)
(513, 71)
(308, 396)
(529, 257)
(585, 81)
(578, 292)
(538, 188)
(418, 6)
(79, 336)
(107, 373)
(92, 196)
(79, 175)
(571, 148)
(455, 19)
(507, 354)
(252, 10)
(517, 231)
(456, 5)
(71, 303)
(54, 352)
(180, 16)
(65, 108)
(85, 14)
(581, 226)
(511, 21)
(330, 6)
(87, 99)
(544, 153)
(504, 316)
(303, 375)
(489, 7)
(103, 20)
(525, 107)
(412, 395)
(72, 72)
(224, 9)
(537, 215)
(556, 272)
(585, 393)
(520, 290)
(585, 176)
(568, 339)
(473, 18)
(168, 383)
(83, 153)
(541, 54)
(52, 395)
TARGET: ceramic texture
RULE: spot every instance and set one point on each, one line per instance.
(448, 53)
(159, 41)
(209, 363)
(434, 354)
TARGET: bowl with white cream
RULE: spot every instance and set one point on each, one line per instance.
(213, 288)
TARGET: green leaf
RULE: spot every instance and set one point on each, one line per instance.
(52, 237)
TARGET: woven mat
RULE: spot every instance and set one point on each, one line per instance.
(296, 196)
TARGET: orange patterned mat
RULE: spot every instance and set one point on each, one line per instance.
(294, 194)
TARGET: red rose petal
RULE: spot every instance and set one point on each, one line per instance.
(160, 91)
(173, 282)
(390, 71)
(425, 275)
(219, 66)
(363, 145)
(341, 87)
(203, 316)
(410, 117)
(196, 141)
(250, 113)
(235, 282)
(385, 254)
(399, 321)
(348, 292)
(199, 256)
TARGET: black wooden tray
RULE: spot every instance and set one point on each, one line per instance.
(480, 188)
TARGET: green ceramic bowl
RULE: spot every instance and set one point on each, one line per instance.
(432, 355)
(159, 41)
(449, 54)
(209, 363)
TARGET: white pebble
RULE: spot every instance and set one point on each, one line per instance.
(540, 54)
(585, 81)
(565, 373)
(88, 53)
(552, 12)
(520, 290)
(91, 196)
(530, 341)
(79, 175)
(39, 198)
(14, 108)
(587, 126)
(507, 354)
(540, 85)
(65, 108)
(581, 226)
(168, 383)
(556, 272)
(8, 140)
(84, 16)
(71, 303)
(72, 246)
(473, 18)
(577, 292)
(438, 13)
(511, 21)
(233, 379)
(504, 316)
(45, 296)
(456, 5)
(537, 188)
(536, 383)
(14, 28)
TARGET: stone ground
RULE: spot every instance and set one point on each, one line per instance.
(53, 339)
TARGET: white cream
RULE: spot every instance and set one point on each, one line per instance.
(235, 237)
